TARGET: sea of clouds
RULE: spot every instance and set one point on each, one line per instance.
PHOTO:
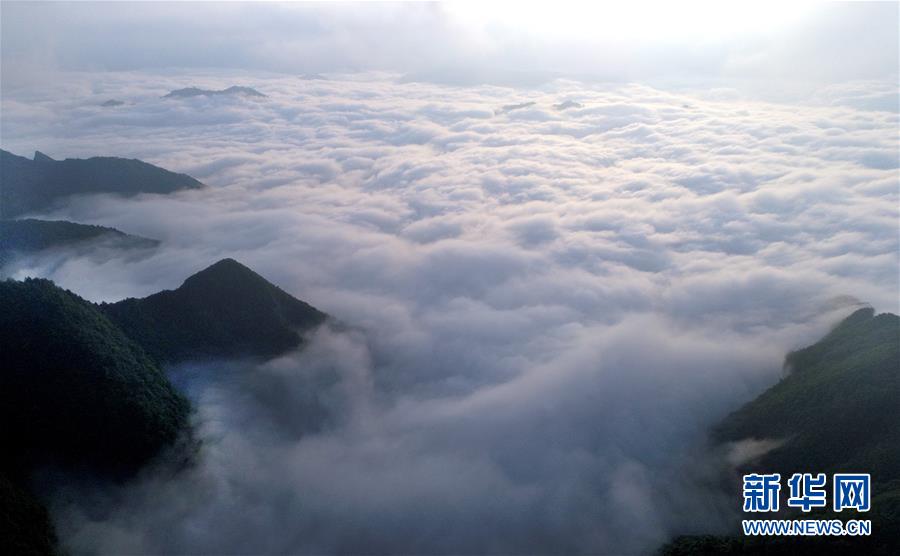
(547, 308)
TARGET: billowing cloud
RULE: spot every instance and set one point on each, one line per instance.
(547, 308)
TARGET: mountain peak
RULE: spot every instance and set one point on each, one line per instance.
(226, 264)
(225, 310)
(226, 272)
(240, 90)
(858, 316)
(41, 157)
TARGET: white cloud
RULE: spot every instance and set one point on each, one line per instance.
(550, 307)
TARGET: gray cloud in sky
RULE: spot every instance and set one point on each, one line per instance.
(784, 56)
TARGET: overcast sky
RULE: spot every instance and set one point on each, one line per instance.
(800, 46)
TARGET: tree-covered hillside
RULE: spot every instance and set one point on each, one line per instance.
(836, 410)
(226, 310)
(74, 388)
(79, 392)
(30, 185)
(75, 393)
(839, 405)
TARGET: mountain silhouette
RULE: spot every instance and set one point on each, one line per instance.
(30, 235)
(225, 310)
(32, 185)
(234, 90)
(81, 388)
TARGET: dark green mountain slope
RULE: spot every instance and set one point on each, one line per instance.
(74, 389)
(226, 310)
(837, 410)
(29, 185)
(75, 392)
(839, 407)
(30, 235)
(25, 527)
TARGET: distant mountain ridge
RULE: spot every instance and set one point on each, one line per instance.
(566, 104)
(234, 90)
(225, 310)
(31, 185)
(506, 108)
(30, 235)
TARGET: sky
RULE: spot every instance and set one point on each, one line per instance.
(801, 46)
(566, 243)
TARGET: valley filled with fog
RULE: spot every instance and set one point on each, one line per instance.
(546, 296)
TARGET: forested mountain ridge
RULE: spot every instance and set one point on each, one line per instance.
(31, 185)
(80, 383)
(29, 235)
(75, 393)
(61, 354)
(838, 406)
(225, 310)
(836, 410)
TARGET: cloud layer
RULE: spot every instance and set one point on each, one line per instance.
(549, 306)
